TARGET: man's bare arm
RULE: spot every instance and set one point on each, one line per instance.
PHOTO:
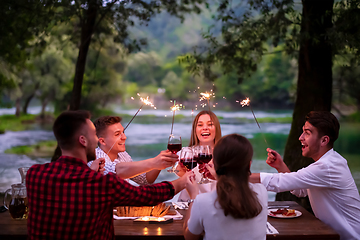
(131, 169)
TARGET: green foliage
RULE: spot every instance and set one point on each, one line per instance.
(355, 117)
(41, 149)
(21, 21)
(13, 123)
(19, 150)
(244, 54)
(347, 80)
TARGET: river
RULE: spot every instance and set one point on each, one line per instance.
(146, 140)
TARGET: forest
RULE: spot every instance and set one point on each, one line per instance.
(92, 54)
(45, 73)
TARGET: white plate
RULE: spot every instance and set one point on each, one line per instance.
(297, 214)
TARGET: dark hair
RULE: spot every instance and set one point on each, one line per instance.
(232, 156)
(326, 124)
(193, 139)
(67, 126)
(103, 122)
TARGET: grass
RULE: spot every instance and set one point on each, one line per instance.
(24, 122)
(41, 149)
(13, 123)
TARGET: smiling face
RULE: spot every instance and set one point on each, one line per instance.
(114, 137)
(205, 130)
(311, 142)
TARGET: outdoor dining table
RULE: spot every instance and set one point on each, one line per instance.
(307, 226)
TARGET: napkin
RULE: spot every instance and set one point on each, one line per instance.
(178, 216)
(180, 205)
(270, 229)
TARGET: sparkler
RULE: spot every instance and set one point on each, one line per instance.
(145, 102)
(246, 102)
(174, 108)
(206, 96)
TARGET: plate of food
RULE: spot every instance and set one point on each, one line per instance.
(284, 213)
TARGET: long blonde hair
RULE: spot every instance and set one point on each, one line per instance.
(194, 139)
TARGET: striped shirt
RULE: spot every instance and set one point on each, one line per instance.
(68, 200)
(122, 157)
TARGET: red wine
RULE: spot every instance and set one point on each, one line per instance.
(204, 158)
(189, 163)
(174, 147)
(18, 208)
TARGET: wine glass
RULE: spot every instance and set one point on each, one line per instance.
(187, 158)
(174, 145)
(203, 154)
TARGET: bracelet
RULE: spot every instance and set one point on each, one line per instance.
(190, 201)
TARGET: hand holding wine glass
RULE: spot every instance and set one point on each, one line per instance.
(174, 145)
(203, 154)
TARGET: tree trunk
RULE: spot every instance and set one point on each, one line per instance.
(27, 102)
(87, 28)
(17, 106)
(44, 103)
(314, 86)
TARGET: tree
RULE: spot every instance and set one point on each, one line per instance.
(22, 28)
(95, 16)
(109, 17)
(314, 37)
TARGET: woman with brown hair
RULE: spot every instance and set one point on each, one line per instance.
(238, 208)
(205, 131)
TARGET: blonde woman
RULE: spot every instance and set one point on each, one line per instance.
(205, 131)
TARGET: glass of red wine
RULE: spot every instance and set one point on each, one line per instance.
(174, 145)
(187, 158)
(203, 155)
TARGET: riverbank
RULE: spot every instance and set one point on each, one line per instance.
(41, 149)
(25, 122)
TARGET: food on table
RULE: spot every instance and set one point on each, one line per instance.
(284, 212)
(159, 210)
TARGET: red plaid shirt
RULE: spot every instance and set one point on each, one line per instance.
(68, 200)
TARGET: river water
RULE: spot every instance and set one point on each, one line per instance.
(147, 140)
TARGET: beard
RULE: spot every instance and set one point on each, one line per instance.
(90, 154)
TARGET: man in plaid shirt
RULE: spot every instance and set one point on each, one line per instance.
(68, 200)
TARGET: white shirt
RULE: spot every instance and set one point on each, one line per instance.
(205, 217)
(331, 188)
(110, 165)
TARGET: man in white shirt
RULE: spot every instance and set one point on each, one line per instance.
(327, 182)
(111, 147)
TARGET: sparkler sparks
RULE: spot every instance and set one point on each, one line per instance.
(206, 96)
(145, 101)
(246, 102)
(174, 108)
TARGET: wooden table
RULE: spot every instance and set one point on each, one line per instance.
(304, 227)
